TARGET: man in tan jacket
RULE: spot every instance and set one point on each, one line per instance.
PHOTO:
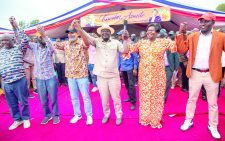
(106, 67)
(204, 68)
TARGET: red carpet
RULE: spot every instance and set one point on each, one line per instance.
(130, 130)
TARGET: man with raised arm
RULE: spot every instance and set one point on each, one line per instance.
(106, 67)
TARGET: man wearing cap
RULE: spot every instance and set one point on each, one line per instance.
(106, 68)
(13, 74)
(76, 61)
(203, 68)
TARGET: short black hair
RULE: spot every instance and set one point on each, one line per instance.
(157, 27)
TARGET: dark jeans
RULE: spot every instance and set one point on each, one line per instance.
(92, 76)
(129, 81)
(184, 76)
(44, 88)
(169, 75)
(60, 69)
(14, 92)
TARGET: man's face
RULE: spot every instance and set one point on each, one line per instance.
(205, 25)
(41, 41)
(7, 43)
(143, 34)
(105, 34)
(73, 36)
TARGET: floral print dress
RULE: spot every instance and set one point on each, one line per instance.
(152, 79)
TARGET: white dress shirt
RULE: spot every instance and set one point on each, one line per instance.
(203, 51)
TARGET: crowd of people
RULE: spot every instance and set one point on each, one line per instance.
(154, 61)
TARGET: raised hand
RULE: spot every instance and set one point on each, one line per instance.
(13, 22)
(40, 30)
(76, 24)
(125, 35)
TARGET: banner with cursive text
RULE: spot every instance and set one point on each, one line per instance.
(159, 14)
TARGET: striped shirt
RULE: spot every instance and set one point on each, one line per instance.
(11, 64)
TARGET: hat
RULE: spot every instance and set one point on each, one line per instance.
(6, 35)
(208, 16)
(71, 30)
(105, 26)
(171, 32)
(163, 30)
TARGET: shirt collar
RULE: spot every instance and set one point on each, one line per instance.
(210, 33)
(107, 41)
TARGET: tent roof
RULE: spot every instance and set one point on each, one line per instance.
(56, 26)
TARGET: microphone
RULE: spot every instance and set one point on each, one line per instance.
(125, 25)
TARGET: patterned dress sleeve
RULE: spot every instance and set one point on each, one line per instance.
(170, 45)
(132, 48)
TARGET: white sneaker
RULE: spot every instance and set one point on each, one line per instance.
(214, 132)
(89, 120)
(26, 123)
(187, 125)
(75, 119)
(15, 125)
(94, 89)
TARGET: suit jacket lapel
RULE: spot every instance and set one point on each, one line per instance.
(195, 44)
(213, 42)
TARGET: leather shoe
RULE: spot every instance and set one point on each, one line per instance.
(127, 100)
(204, 98)
(132, 107)
(105, 120)
(118, 121)
(184, 90)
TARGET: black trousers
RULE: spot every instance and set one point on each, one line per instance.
(184, 76)
(60, 69)
(169, 75)
(129, 80)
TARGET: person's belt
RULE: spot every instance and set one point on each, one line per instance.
(200, 70)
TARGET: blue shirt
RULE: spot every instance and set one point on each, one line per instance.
(128, 64)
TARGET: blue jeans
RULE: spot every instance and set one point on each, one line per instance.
(44, 88)
(92, 76)
(82, 84)
(14, 92)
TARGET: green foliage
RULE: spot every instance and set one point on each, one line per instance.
(23, 24)
(33, 22)
(221, 7)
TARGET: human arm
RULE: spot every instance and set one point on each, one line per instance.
(20, 37)
(87, 39)
(181, 39)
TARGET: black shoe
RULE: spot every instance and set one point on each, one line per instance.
(46, 120)
(204, 98)
(184, 90)
(35, 91)
(132, 107)
(127, 100)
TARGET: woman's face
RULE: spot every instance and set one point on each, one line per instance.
(151, 32)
